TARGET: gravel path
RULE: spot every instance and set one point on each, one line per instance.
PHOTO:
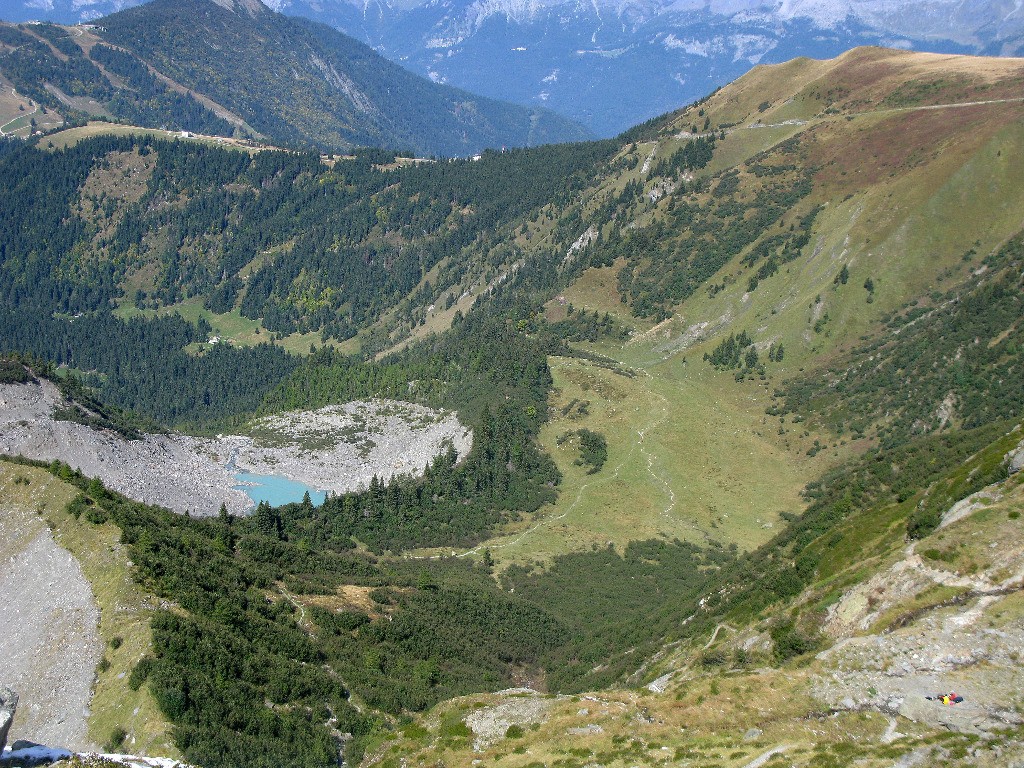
(49, 641)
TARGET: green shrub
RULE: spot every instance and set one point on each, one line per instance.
(140, 672)
(117, 738)
(939, 554)
(789, 642)
(922, 522)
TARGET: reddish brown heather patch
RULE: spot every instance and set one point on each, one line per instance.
(859, 71)
(849, 158)
(867, 77)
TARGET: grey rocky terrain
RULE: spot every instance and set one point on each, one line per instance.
(49, 645)
(341, 447)
(8, 708)
(158, 469)
(337, 448)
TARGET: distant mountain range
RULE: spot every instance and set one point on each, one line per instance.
(237, 66)
(612, 63)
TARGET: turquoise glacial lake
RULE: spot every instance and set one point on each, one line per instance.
(276, 490)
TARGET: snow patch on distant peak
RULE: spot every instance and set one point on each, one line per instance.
(694, 47)
(519, 11)
(901, 43)
(752, 48)
(444, 42)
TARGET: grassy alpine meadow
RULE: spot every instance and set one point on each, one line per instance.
(595, 291)
(69, 137)
(691, 455)
(232, 327)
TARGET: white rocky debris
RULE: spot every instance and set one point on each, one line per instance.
(661, 684)
(581, 242)
(51, 644)
(490, 724)
(338, 448)
(341, 447)
(158, 469)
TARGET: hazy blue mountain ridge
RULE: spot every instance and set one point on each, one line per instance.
(304, 83)
(612, 64)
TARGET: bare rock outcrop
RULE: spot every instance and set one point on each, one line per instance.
(8, 707)
(490, 724)
(1015, 459)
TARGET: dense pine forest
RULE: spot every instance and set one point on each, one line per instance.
(348, 241)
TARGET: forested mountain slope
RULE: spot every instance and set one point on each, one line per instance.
(220, 68)
(685, 354)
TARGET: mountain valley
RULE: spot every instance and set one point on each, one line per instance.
(744, 388)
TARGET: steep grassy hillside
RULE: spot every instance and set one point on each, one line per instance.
(869, 202)
(895, 165)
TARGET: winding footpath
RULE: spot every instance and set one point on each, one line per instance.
(3, 131)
